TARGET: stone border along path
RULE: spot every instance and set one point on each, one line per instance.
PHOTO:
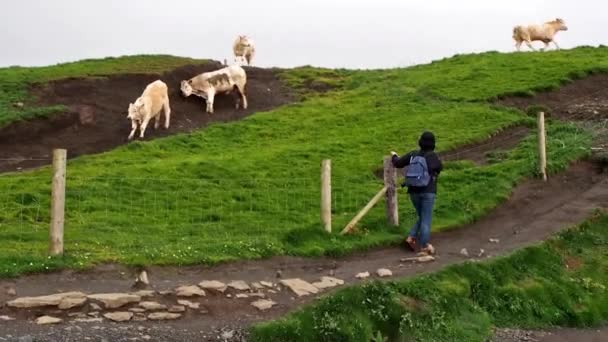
(240, 293)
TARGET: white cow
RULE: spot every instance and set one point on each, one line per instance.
(226, 80)
(545, 33)
(244, 50)
(148, 106)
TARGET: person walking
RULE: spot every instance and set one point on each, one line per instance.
(422, 170)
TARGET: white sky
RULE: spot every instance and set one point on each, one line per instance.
(331, 33)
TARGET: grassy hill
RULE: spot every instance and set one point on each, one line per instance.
(250, 189)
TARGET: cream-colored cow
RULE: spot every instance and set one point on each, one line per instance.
(148, 106)
(544, 33)
(244, 50)
(226, 80)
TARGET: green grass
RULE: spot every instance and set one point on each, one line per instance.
(531, 288)
(15, 81)
(250, 189)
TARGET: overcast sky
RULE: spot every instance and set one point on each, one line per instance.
(331, 33)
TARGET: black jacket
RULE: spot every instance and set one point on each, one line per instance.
(434, 164)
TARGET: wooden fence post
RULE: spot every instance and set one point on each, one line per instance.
(542, 147)
(326, 194)
(57, 202)
(390, 175)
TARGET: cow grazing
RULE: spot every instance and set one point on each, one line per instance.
(243, 49)
(544, 33)
(226, 80)
(148, 106)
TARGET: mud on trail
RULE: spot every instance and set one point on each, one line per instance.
(96, 119)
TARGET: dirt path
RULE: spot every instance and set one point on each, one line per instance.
(97, 108)
(555, 335)
(535, 211)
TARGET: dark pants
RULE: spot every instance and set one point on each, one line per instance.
(421, 231)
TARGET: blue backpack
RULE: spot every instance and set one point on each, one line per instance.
(417, 173)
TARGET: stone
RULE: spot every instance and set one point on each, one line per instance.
(362, 275)
(257, 286)
(267, 284)
(213, 285)
(263, 304)
(19, 104)
(481, 253)
(239, 285)
(77, 314)
(137, 310)
(189, 291)
(257, 294)
(464, 252)
(89, 320)
(165, 293)
(272, 291)
(95, 307)
(71, 302)
(177, 308)
(242, 295)
(494, 240)
(93, 313)
(384, 272)
(35, 302)
(119, 316)
(145, 293)
(328, 282)
(299, 287)
(115, 300)
(139, 317)
(152, 306)
(163, 316)
(227, 335)
(6, 318)
(188, 304)
(48, 320)
(11, 291)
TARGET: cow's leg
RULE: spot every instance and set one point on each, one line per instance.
(133, 129)
(555, 43)
(210, 98)
(167, 110)
(142, 129)
(529, 43)
(518, 46)
(242, 95)
(237, 96)
(157, 121)
(545, 47)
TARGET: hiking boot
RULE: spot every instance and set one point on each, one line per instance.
(411, 243)
(429, 249)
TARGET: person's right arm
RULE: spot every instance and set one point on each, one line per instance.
(401, 162)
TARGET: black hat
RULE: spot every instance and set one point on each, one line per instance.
(427, 141)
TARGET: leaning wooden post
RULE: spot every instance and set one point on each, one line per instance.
(326, 194)
(542, 147)
(390, 175)
(57, 203)
(363, 211)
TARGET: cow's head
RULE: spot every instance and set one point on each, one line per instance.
(186, 88)
(134, 108)
(561, 24)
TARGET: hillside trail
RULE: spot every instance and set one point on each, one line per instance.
(535, 211)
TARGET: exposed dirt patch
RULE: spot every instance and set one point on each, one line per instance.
(535, 211)
(585, 99)
(554, 335)
(96, 117)
(573, 263)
